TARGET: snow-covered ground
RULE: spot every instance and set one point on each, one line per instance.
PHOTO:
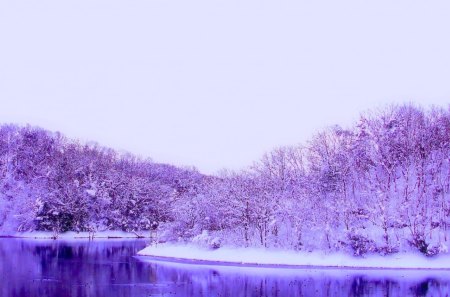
(273, 258)
(76, 235)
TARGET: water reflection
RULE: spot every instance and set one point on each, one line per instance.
(232, 281)
(108, 268)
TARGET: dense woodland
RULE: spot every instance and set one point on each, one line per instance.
(381, 186)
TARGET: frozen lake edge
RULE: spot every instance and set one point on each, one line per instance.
(75, 235)
(253, 257)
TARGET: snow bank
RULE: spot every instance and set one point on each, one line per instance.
(76, 235)
(252, 256)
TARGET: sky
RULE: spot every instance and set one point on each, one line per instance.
(215, 84)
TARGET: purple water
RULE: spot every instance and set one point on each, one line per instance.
(109, 268)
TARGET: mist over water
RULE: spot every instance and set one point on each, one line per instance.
(110, 268)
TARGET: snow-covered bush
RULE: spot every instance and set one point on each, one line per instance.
(424, 247)
(207, 241)
(387, 250)
(215, 243)
(361, 245)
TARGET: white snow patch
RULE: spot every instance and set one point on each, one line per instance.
(255, 256)
(91, 192)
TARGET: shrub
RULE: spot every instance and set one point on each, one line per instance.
(422, 246)
(205, 240)
(361, 244)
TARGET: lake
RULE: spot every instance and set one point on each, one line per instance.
(109, 268)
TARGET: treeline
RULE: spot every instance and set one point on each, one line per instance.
(50, 183)
(382, 186)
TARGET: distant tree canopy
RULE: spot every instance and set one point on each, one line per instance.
(381, 186)
(50, 183)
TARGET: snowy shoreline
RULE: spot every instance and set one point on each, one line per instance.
(76, 235)
(289, 259)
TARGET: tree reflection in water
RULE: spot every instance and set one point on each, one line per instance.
(109, 268)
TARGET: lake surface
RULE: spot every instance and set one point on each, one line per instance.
(109, 268)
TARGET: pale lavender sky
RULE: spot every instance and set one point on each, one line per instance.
(215, 84)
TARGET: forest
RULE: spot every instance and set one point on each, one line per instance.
(380, 186)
